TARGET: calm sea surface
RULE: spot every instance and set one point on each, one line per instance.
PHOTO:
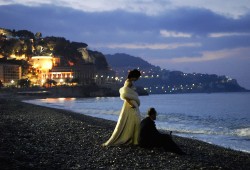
(218, 118)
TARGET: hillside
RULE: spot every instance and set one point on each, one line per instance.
(157, 80)
(23, 44)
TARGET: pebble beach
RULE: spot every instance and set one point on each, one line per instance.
(36, 137)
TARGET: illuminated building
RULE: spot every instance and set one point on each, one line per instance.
(59, 74)
(48, 67)
(10, 74)
(43, 63)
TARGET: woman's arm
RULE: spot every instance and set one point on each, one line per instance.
(130, 84)
(129, 102)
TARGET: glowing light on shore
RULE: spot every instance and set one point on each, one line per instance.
(42, 62)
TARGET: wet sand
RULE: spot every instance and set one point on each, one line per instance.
(36, 137)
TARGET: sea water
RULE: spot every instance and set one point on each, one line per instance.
(217, 118)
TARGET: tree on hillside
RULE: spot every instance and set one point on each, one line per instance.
(50, 82)
(38, 35)
(24, 83)
(8, 47)
(24, 34)
(75, 81)
(28, 48)
(1, 84)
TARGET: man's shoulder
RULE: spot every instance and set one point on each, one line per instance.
(146, 120)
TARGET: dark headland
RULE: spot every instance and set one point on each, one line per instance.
(35, 137)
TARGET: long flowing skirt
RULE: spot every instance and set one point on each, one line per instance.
(127, 127)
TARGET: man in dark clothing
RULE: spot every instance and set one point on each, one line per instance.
(150, 137)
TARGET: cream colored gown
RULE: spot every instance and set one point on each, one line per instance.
(128, 124)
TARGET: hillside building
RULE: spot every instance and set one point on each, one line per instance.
(48, 67)
(10, 74)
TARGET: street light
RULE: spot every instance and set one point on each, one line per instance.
(61, 81)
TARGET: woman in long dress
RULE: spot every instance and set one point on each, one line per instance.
(128, 124)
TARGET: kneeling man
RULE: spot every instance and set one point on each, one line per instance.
(150, 137)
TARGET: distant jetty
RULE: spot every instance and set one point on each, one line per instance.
(68, 91)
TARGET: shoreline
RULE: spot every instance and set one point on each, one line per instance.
(178, 134)
(219, 140)
(37, 137)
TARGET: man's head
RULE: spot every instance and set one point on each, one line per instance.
(152, 113)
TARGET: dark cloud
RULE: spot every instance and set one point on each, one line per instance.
(124, 27)
(202, 22)
(59, 20)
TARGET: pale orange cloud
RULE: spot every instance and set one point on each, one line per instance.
(228, 34)
(210, 56)
(166, 33)
(157, 46)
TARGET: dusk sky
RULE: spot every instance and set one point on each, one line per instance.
(202, 36)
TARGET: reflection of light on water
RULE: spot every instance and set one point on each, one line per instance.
(66, 99)
(53, 100)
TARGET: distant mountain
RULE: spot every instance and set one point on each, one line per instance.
(157, 80)
(125, 60)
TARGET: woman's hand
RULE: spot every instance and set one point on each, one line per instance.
(130, 103)
(132, 106)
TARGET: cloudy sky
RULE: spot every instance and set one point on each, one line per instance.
(202, 36)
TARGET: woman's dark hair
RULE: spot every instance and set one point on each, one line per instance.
(134, 74)
(151, 111)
